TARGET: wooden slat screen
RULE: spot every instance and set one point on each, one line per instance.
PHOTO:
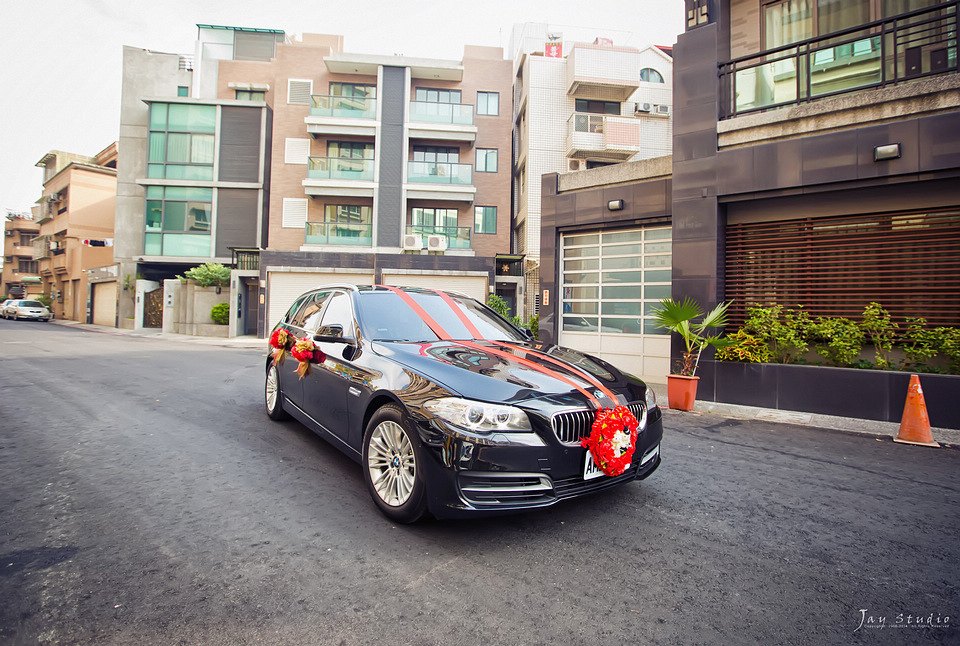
(907, 262)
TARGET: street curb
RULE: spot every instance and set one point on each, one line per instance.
(243, 342)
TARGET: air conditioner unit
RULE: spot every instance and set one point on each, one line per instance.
(644, 107)
(412, 242)
(578, 164)
(436, 243)
(663, 109)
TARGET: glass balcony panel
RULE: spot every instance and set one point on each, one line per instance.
(452, 113)
(457, 237)
(340, 168)
(182, 244)
(766, 84)
(356, 234)
(347, 107)
(439, 173)
(845, 67)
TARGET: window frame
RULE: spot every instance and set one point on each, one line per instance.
(480, 215)
(486, 103)
(486, 159)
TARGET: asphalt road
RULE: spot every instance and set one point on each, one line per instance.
(145, 498)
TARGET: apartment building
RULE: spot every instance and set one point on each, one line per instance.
(76, 216)
(20, 276)
(193, 169)
(583, 99)
(816, 151)
(318, 165)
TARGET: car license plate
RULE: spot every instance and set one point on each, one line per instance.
(591, 470)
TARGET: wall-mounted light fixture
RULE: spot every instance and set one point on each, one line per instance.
(615, 205)
(889, 151)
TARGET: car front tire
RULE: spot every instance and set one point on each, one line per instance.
(392, 465)
(273, 396)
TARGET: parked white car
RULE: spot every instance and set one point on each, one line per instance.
(26, 309)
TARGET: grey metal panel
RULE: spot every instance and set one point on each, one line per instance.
(830, 158)
(265, 208)
(254, 46)
(939, 142)
(240, 154)
(236, 219)
(390, 215)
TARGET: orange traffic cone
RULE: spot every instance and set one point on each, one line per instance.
(915, 425)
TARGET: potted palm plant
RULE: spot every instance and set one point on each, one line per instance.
(680, 317)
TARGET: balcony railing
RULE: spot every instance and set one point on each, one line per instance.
(345, 168)
(457, 237)
(439, 173)
(246, 258)
(355, 234)
(347, 107)
(430, 112)
(603, 136)
(877, 54)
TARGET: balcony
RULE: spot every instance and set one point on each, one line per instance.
(878, 54)
(454, 237)
(440, 181)
(343, 176)
(603, 137)
(246, 258)
(602, 72)
(342, 115)
(354, 234)
(59, 263)
(442, 121)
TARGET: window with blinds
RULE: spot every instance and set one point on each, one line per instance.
(835, 266)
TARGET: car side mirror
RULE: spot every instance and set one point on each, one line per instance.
(332, 334)
(528, 334)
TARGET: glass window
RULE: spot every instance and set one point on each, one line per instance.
(486, 160)
(437, 96)
(434, 218)
(442, 154)
(338, 313)
(787, 22)
(184, 215)
(308, 317)
(181, 143)
(485, 219)
(183, 90)
(349, 149)
(597, 107)
(251, 95)
(488, 103)
(651, 75)
(358, 90)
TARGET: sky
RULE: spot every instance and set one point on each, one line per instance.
(61, 59)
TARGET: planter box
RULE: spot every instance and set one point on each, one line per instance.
(846, 392)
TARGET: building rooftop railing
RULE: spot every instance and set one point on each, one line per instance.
(885, 52)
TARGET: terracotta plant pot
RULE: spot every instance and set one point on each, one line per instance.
(681, 391)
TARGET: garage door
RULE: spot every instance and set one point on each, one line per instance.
(611, 281)
(284, 287)
(105, 304)
(473, 286)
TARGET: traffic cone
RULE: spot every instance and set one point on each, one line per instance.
(915, 424)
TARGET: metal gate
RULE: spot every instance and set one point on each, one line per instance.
(153, 308)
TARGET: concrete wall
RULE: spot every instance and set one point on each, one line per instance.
(186, 309)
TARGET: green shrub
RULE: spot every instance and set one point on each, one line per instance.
(838, 339)
(746, 348)
(948, 343)
(498, 305)
(919, 344)
(881, 331)
(785, 331)
(220, 313)
(44, 300)
(211, 274)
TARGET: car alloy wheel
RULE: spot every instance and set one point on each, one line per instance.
(273, 396)
(392, 466)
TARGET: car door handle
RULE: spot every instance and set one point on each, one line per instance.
(354, 391)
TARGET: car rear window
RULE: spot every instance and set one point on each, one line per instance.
(386, 317)
(31, 304)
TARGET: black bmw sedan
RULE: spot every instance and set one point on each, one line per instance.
(452, 410)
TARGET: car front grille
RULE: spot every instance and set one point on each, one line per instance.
(573, 426)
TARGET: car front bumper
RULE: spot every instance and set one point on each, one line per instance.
(467, 479)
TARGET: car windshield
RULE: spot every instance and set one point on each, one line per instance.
(384, 316)
(31, 304)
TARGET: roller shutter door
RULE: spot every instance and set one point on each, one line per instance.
(472, 286)
(284, 287)
(105, 304)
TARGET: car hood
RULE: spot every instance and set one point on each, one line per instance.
(479, 370)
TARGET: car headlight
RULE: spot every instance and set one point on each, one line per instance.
(651, 398)
(479, 417)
